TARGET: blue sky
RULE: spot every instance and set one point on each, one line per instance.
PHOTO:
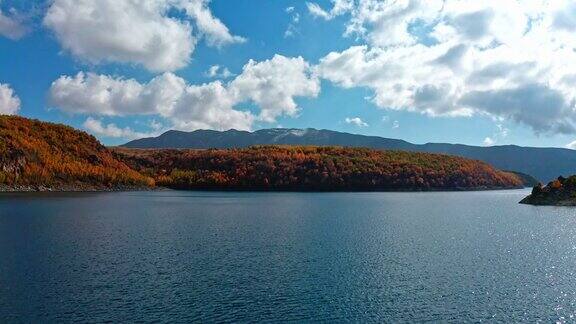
(360, 66)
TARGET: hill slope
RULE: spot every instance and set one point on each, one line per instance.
(36, 155)
(314, 168)
(542, 163)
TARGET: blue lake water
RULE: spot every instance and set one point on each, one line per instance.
(235, 257)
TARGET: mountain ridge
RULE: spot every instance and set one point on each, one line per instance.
(544, 163)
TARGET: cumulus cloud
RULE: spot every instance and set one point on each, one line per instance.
(398, 76)
(536, 105)
(96, 127)
(272, 85)
(9, 101)
(12, 25)
(506, 59)
(357, 121)
(135, 31)
(168, 96)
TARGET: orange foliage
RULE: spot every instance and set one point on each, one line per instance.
(34, 153)
(555, 185)
(314, 168)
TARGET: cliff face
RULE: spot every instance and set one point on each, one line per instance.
(37, 155)
(314, 168)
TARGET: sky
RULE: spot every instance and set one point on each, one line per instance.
(459, 71)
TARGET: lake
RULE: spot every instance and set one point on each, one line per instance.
(237, 257)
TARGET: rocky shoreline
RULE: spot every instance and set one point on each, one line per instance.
(560, 192)
(536, 201)
(550, 200)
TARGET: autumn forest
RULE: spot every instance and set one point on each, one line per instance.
(39, 156)
(313, 168)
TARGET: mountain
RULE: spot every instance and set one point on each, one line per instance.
(204, 139)
(542, 163)
(305, 168)
(36, 155)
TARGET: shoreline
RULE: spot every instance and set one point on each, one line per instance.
(531, 201)
(72, 189)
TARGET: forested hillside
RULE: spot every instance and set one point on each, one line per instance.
(37, 155)
(314, 168)
(544, 164)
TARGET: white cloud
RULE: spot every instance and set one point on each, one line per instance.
(9, 101)
(317, 11)
(96, 127)
(168, 96)
(508, 59)
(357, 121)
(400, 77)
(385, 23)
(271, 84)
(109, 96)
(498, 136)
(395, 124)
(502, 131)
(156, 125)
(292, 29)
(220, 72)
(12, 25)
(135, 31)
(216, 33)
(210, 106)
(339, 7)
(488, 141)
